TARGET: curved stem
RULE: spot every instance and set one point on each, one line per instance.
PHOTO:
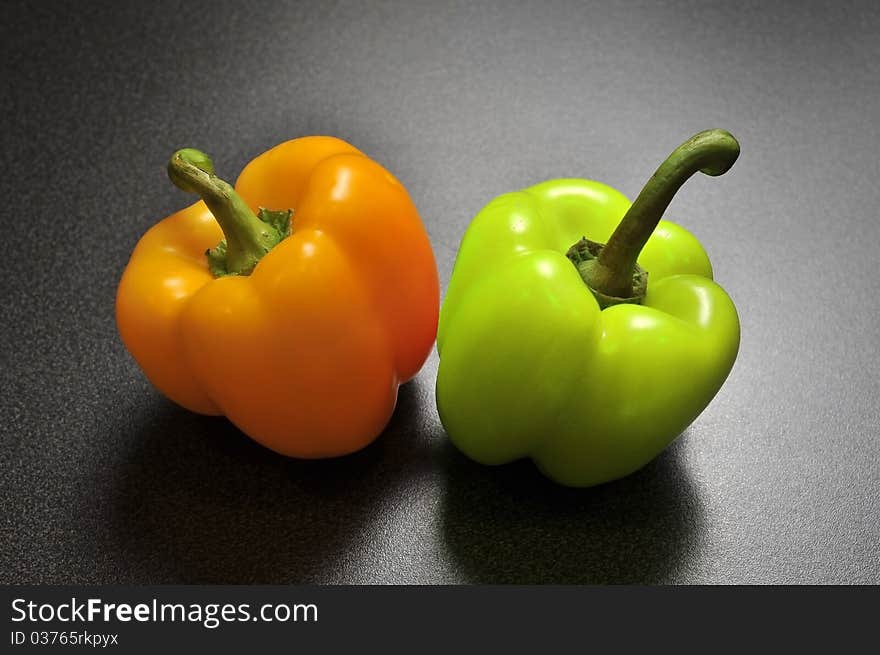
(248, 238)
(712, 152)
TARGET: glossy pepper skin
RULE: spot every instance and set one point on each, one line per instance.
(532, 366)
(306, 352)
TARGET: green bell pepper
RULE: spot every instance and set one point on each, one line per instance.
(588, 358)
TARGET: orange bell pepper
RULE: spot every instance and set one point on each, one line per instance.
(300, 340)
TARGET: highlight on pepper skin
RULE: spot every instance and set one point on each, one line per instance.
(569, 318)
(294, 303)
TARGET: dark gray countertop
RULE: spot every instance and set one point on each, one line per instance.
(104, 481)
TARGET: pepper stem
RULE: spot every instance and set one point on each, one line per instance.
(248, 237)
(613, 272)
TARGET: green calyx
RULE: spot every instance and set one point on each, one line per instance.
(277, 227)
(610, 270)
(585, 256)
(248, 236)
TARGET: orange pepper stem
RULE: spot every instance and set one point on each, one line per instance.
(248, 237)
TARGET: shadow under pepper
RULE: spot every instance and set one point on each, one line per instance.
(510, 525)
(202, 504)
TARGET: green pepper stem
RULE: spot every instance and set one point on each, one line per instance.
(712, 152)
(248, 238)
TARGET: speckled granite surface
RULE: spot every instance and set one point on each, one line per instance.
(104, 481)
